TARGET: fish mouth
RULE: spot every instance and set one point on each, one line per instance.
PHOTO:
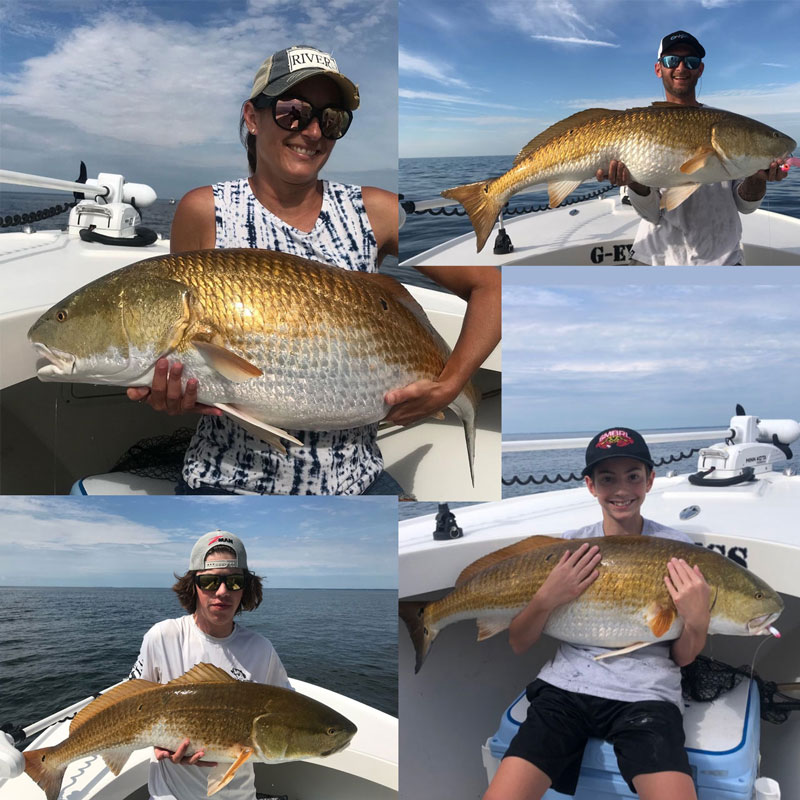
(337, 749)
(61, 364)
(759, 626)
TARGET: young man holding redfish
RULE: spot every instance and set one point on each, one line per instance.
(633, 699)
(704, 229)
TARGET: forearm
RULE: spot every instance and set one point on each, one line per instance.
(689, 644)
(527, 627)
(645, 205)
(480, 333)
(748, 195)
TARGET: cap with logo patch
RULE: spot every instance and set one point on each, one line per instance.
(681, 37)
(284, 69)
(614, 443)
(214, 539)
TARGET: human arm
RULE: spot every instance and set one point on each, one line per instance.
(570, 578)
(383, 213)
(480, 333)
(691, 594)
(752, 190)
(645, 201)
(179, 756)
(193, 228)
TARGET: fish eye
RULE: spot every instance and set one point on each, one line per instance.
(331, 731)
(61, 315)
(759, 595)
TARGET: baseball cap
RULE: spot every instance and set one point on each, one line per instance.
(681, 37)
(215, 539)
(284, 69)
(613, 443)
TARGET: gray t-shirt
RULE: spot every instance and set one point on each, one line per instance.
(646, 674)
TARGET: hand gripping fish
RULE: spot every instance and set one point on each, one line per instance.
(664, 145)
(276, 341)
(627, 605)
(231, 720)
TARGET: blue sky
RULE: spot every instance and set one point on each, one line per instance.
(315, 542)
(487, 79)
(580, 354)
(153, 90)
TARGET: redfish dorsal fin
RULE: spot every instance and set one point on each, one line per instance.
(516, 549)
(202, 673)
(110, 698)
(562, 127)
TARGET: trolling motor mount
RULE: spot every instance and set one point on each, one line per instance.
(752, 447)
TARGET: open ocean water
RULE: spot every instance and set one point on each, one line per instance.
(60, 645)
(425, 178)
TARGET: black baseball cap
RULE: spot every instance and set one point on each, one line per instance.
(614, 443)
(681, 37)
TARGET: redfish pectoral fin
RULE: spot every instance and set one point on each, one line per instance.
(698, 160)
(660, 618)
(220, 776)
(226, 362)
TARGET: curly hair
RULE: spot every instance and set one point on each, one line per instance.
(186, 590)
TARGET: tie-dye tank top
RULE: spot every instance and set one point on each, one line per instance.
(222, 454)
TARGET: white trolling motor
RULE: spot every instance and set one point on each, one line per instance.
(753, 445)
(107, 207)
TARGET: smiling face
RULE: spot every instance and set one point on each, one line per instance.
(294, 157)
(620, 485)
(216, 609)
(679, 83)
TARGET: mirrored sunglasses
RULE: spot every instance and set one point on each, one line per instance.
(210, 583)
(294, 114)
(670, 62)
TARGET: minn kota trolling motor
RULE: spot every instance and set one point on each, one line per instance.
(752, 446)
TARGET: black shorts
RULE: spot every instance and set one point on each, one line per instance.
(647, 735)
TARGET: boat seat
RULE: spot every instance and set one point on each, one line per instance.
(121, 483)
(722, 741)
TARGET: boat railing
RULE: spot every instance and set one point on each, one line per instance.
(579, 442)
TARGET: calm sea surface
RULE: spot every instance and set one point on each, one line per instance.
(425, 178)
(157, 217)
(62, 645)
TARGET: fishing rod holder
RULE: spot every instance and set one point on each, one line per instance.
(752, 447)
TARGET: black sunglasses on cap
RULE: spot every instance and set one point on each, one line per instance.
(295, 114)
(670, 62)
(210, 583)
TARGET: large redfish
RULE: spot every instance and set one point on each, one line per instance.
(231, 720)
(627, 604)
(276, 341)
(663, 145)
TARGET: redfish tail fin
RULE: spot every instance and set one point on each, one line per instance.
(413, 614)
(465, 406)
(482, 206)
(47, 773)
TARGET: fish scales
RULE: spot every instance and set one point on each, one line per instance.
(291, 342)
(663, 145)
(628, 603)
(230, 720)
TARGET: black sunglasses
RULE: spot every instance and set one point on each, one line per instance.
(670, 62)
(295, 114)
(210, 583)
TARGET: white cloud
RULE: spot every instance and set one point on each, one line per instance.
(412, 94)
(421, 66)
(574, 40)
